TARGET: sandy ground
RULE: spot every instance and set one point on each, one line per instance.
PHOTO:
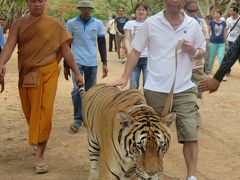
(67, 156)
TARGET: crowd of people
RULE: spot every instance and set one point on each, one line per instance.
(140, 42)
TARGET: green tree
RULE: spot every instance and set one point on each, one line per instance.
(62, 9)
(66, 9)
(114, 5)
(208, 6)
(10, 10)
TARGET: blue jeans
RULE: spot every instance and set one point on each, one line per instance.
(135, 75)
(90, 76)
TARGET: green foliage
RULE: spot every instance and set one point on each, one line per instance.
(113, 5)
(65, 9)
(10, 10)
(62, 9)
(22, 3)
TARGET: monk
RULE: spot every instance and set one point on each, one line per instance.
(42, 41)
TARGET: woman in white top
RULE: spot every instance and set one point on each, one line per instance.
(131, 28)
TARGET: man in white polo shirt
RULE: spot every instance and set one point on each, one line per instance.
(160, 34)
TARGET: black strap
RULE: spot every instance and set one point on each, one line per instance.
(233, 26)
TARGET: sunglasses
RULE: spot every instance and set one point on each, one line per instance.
(192, 10)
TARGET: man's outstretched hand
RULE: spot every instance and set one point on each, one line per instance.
(120, 82)
(210, 84)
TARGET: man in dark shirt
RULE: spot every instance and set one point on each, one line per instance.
(212, 84)
(120, 21)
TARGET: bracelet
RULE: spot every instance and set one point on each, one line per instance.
(196, 54)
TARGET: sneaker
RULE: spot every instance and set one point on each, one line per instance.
(74, 129)
(225, 78)
(192, 178)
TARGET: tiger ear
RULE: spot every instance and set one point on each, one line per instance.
(124, 118)
(168, 119)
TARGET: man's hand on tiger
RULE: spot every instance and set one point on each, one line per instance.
(104, 71)
(66, 72)
(120, 82)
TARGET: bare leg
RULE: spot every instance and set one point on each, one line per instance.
(190, 151)
(123, 52)
(40, 151)
(41, 166)
(118, 52)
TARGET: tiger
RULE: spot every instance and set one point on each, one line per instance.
(126, 138)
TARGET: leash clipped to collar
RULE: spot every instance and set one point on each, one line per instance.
(168, 105)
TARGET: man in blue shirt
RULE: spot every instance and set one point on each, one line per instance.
(87, 32)
(1, 38)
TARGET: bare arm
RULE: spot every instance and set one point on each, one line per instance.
(8, 50)
(131, 63)
(68, 56)
(128, 41)
(9, 46)
(116, 29)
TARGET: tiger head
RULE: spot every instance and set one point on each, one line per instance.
(144, 138)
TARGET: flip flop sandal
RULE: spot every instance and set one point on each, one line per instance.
(41, 168)
(73, 128)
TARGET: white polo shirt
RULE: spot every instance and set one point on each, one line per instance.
(160, 38)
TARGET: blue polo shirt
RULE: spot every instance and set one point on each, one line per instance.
(84, 46)
(1, 37)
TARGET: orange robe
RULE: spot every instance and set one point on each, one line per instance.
(37, 76)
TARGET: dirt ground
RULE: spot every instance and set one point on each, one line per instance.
(67, 155)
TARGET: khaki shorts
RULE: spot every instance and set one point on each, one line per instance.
(186, 108)
(120, 41)
(198, 75)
